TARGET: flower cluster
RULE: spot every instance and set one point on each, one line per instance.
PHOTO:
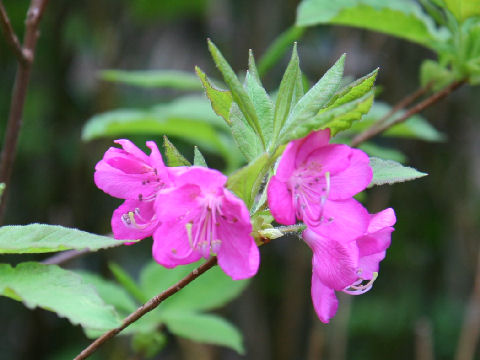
(187, 210)
(315, 183)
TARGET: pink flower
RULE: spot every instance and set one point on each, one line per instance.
(315, 182)
(199, 218)
(344, 265)
(130, 174)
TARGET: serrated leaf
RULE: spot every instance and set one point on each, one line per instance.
(128, 283)
(316, 98)
(205, 328)
(42, 238)
(239, 94)
(415, 127)
(263, 105)
(174, 158)
(173, 79)
(247, 141)
(400, 18)
(463, 9)
(252, 67)
(221, 100)
(390, 172)
(110, 292)
(354, 90)
(286, 93)
(61, 291)
(246, 182)
(198, 158)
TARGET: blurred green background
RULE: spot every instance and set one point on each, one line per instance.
(422, 293)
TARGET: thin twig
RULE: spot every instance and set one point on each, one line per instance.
(470, 332)
(373, 131)
(65, 256)
(19, 93)
(10, 35)
(148, 306)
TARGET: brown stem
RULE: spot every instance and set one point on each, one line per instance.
(470, 332)
(65, 256)
(375, 130)
(19, 92)
(10, 35)
(148, 306)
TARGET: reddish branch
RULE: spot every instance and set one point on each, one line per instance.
(375, 130)
(25, 56)
(148, 306)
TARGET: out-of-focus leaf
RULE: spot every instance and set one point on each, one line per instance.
(174, 158)
(128, 283)
(246, 181)
(277, 49)
(205, 328)
(401, 18)
(181, 80)
(439, 75)
(221, 100)
(110, 292)
(383, 152)
(247, 141)
(286, 93)
(42, 238)
(61, 291)
(239, 94)
(463, 9)
(198, 158)
(149, 344)
(390, 172)
(2, 188)
(416, 127)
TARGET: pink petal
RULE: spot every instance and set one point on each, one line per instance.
(331, 158)
(324, 300)
(280, 201)
(312, 142)
(343, 220)
(375, 242)
(238, 255)
(353, 179)
(207, 179)
(367, 265)
(381, 220)
(131, 148)
(333, 263)
(144, 216)
(286, 165)
(156, 160)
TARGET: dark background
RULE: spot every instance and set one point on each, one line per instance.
(427, 278)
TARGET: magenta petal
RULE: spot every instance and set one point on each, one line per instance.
(145, 220)
(132, 149)
(335, 264)
(343, 220)
(205, 178)
(353, 179)
(375, 242)
(280, 202)
(286, 165)
(381, 220)
(324, 300)
(238, 255)
(367, 265)
(331, 158)
(171, 246)
(313, 141)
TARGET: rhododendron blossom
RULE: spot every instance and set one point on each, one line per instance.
(346, 265)
(130, 174)
(315, 182)
(200, 218)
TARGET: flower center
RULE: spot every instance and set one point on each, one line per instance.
(358, 288)
(310, 190)
(133, 219)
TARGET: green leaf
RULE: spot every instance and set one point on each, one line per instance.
(181, 80)
(2, 188)
(319, 95)
(463, 9)
(244, 136)
(128, 283)
(390, 172)
(277, 49)
(246, 182)
(239, 94)
(198, 158)
(416, 127)
(61, 291)
(286, 93)
(221, 100)
(400, 18)
(174, 158)
(149, 344)
(110, 292)
(206, 329)
(252, 67)
(440, 76)
(263, 105)
(354, 90)
(383, 152)
(41, 238)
